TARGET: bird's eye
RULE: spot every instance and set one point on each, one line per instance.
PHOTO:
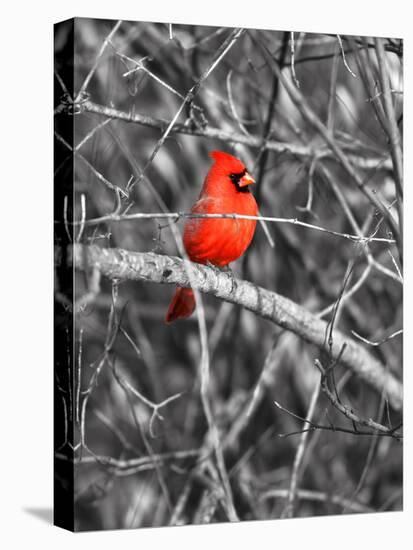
(235, 178)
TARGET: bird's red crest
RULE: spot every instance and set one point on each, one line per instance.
(227, 162)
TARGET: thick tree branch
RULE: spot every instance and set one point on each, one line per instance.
(123, 265)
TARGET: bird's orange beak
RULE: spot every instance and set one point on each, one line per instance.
(246, 179)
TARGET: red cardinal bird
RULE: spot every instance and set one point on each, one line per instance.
(218, 241)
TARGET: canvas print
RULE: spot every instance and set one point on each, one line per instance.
(228, 274)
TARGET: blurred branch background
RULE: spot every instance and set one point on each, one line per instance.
(318, 121)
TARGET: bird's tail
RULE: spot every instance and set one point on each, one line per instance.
(181, 306)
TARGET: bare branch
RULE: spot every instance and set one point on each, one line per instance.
(115, 217)
(292, 60)
(267, 378)
(380, 342)
(299, 455)
(154, 406)
(347, 411)
(317, 496)
(392, 129)
(133, 465)
(344, 56)
(122, 265)
(97, 60)
(300, 151)
(315, 427)
(232, 105)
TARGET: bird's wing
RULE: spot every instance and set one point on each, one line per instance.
(204, 205)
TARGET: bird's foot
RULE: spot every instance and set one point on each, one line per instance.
(218, 268)
(223, 269)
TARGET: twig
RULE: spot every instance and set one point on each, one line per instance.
(349, 413)
(112, 330)
(263, 154)
(344, 57)
(251, 450)
(332, 428)
(232, 105)
(96, 173)
(309, 203)
(65, 220)
(65, 425)
(181, 502)
(155, 463)
(299, 455)
(380, 342)
(90, 134)
(321, 57)
(115, 430)
(397, 495)
(154, 406)
(62, 84)
(93, 283)
(332, 94)
(388, 272)
(141, 67)
(144, 349)
(83, 217)
(101, 178)
(396, 266)
(218, 328)
(266, 379)
(392, 131)
(317, 496)
(132, 343)
(177, 215)
(365, 64)
(214, 434)
(96, 63)
(358, 231)
(292, 60)
(341, 383)
(349, 215)
(370, 457)
(346, 295)
(79, 375)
